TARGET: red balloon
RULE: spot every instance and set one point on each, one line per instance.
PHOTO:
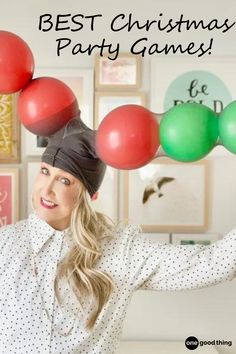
(46, 105)
(128, 137)
(16, 63)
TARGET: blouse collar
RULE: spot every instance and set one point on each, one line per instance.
(41, 231)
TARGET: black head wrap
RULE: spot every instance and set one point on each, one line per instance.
(72, 149)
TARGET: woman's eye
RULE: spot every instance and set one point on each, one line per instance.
(44, 170)
(66, 181)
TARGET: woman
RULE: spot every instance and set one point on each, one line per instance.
(67, 273)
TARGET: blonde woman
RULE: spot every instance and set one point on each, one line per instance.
(67, 273)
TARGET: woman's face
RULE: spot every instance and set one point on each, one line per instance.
(54, 195)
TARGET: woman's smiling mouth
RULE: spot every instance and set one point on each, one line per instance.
(47, 204)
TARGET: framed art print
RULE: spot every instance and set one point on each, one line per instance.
(181, 80)
(9, 195)
(166, 196)
(9, 130)
(82, 84)
(107, 101)
(122, 73)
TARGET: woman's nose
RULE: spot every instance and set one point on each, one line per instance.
(49, 186)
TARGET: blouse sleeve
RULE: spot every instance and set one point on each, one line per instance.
(151, 265)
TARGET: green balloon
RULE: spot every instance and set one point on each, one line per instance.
(227, 127)
(188, 132)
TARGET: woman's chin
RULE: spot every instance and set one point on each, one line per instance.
(45, 214)
(53, 219)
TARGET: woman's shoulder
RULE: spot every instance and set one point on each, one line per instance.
(122, 234)
(10, 231)
(128, 230)
(14, 226)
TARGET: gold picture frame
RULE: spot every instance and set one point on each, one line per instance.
(10, 148)
(122, 73)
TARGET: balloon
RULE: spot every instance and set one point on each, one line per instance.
(45, 105)
(16, 63)
(127, 138)
(227, 127)
(188, 132)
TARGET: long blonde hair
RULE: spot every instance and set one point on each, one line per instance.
(78, 266)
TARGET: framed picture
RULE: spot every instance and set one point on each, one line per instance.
(107, 199)
(166, 196)
(9, 130)
(179, 80)
(9, 195)
(122, 73)
(107, 101)
(192, 239)
(81, 82)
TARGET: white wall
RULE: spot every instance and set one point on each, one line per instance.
(207, 313)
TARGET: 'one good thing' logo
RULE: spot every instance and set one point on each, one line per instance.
(192, 342)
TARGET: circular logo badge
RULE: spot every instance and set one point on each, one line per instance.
(200, 87)
(191, 343)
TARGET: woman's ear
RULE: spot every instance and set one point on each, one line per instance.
(95, 196)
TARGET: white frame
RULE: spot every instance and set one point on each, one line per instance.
(86, 108)
(181, 205)
(116, 99)
(164, 71)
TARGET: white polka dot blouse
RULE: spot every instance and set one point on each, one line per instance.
(32, 321)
